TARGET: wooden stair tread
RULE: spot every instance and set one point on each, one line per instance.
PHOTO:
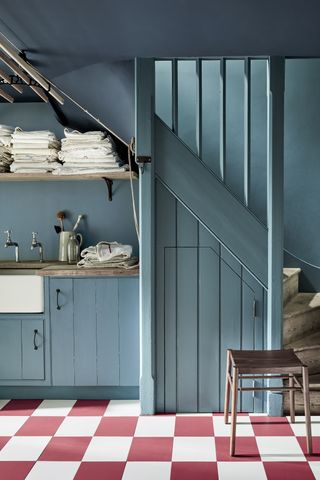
(312, 340)
(302, 303)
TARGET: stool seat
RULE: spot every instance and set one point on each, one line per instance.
(266, 361)
(268, 365)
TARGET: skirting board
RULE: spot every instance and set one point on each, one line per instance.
(79, 393)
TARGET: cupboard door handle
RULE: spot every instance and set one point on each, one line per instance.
(35, 333)
(58, 292)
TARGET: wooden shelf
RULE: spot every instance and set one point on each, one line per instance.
(37, 177)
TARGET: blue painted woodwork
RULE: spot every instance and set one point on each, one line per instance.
(239, 263)
(144, 94)
(95, 333)
(19, 361)
(230, 222)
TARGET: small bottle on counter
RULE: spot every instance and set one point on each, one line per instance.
(73, 249)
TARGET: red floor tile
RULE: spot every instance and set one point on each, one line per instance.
(87, 408)
(3, 441)
(194, 427)
(15, 470)
(100, 471)
(117, 427)
(271, 426)
(246, 450)
(194, 471)
(40, 426)
(315, 448)
(65, 449)
(147, 449)
(288, 471)
(20, 407)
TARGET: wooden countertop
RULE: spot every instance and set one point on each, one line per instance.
(74, 271)
(54, 268)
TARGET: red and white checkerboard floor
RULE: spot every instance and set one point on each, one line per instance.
(93, 440)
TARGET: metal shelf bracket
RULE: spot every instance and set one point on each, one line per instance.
(109, 183)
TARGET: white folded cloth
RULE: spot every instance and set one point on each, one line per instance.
(63, 170)
(108, 254)
(35, 167)
(76, 135)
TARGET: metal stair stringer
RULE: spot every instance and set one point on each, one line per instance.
(210, 201)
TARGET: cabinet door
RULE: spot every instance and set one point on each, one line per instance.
(62, 333)
(32, 350)
(85, 332)
(129, 331)
(10, 349)
(107, 308)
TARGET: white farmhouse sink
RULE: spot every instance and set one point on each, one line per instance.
(21, 291)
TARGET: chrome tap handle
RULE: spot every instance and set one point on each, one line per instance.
(34, 242)
(8, 232)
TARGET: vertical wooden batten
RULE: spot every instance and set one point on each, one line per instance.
(222, 118)
(247, 130)
(144, 93)
(275, 180)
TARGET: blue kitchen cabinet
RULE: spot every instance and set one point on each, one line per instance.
(94, 331)
(22, 348)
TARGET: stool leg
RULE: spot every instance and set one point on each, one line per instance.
(235, 373)
(306, 399)
(227, 391)
(291, 396)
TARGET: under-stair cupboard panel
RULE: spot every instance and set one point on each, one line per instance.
(205, 303)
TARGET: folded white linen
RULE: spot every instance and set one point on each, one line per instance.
(5, 140)
(31, 165)
(40, 143)
(75, 134)
(62, 170)
(34, 151)
(110, 159)
(34, 158)
(104, 251)
(102, 165)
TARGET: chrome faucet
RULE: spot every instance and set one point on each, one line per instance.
(10, 243)
(36, 244)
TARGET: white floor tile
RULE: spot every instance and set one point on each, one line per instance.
(78, 427)
(280, 449)
(24, 448)
(194, 449)
(299, 427)
(155, 426)
(194, 414)
(241, 471)
(108, 449)
(244, 427)
(9, 425)
(315, 467)
(54, 408)
(3, 403)
(147, 471)
(53, 471)
(125, 408)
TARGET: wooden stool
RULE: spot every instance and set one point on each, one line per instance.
(265, 364)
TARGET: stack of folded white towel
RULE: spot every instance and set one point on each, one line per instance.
(108, 254)
(34, 152)
(5, 148)
(90, 152)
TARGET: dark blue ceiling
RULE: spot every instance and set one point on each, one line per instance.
(87, 46)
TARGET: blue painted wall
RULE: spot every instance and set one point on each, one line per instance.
(32, 206)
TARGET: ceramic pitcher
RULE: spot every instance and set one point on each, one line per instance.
(63, 244)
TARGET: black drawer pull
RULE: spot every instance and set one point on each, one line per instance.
(58, 292)
(35, 333)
